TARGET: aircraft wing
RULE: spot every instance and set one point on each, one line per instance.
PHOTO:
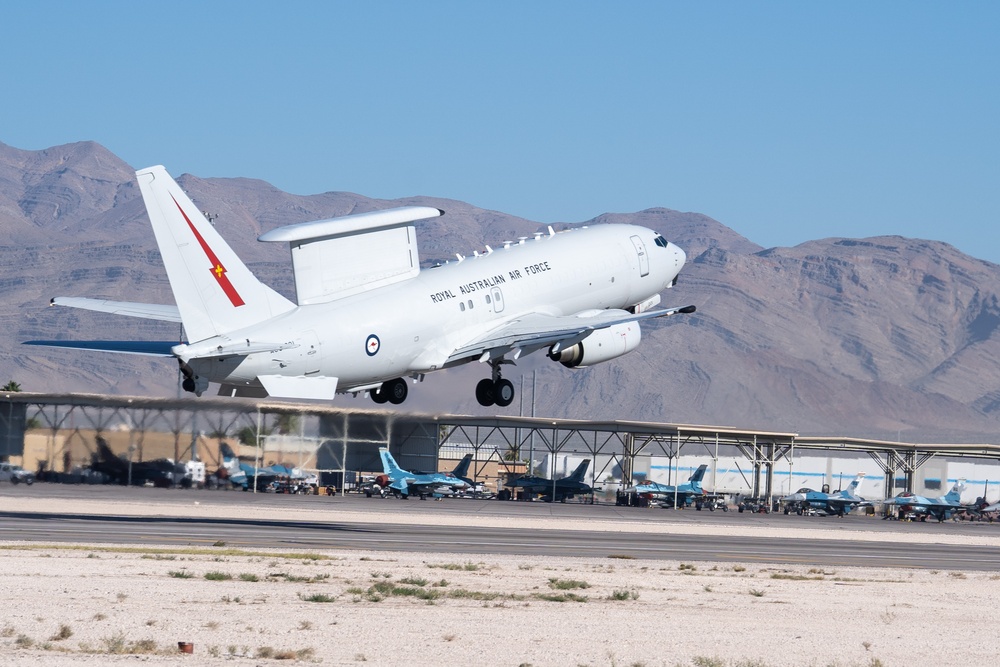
(148, 311)
(537, 330)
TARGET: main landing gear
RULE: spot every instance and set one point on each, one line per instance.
(393, 391)
(495, 390)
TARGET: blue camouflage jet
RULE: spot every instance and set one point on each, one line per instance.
(940, 508)
(403, 483)
(826, 504)
(667, 493)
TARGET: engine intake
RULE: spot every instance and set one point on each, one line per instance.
(601, 345)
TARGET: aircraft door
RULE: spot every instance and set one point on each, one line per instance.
(497, 296)
(640, 249)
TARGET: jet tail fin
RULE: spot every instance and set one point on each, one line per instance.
(462, 469)
(852, 489)
(389, 465)
(696, 477)
(214, 290)
(955, 494)
(580, 471)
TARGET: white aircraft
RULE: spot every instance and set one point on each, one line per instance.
(367, 317)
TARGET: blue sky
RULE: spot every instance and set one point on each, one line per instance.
(786, 121)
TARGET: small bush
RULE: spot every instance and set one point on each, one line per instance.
(215, 575)
(180, 574)
(622, 594)
(562, 597)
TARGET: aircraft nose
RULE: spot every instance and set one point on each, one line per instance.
(680, 254)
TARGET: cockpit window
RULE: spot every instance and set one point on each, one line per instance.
(660, 241)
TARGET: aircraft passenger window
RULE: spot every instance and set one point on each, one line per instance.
(461, 306)
(470, 304)
(487, 298)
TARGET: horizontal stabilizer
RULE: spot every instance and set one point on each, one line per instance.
(146, 347)
(148, 311)
(318, 388)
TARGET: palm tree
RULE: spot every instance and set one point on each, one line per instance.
(11, 386)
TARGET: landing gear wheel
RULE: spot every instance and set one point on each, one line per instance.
(188, 385)
(503, 393)
(379, 395)
(395, 390)
(486, 392)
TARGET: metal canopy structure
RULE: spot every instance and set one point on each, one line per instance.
(499, 438)
(896, 457)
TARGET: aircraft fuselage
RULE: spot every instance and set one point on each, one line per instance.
(411, 327)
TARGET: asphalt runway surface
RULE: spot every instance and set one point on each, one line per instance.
(422, 532)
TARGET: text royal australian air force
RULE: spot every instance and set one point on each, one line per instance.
(491, 281)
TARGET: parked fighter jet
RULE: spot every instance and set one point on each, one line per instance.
(158, 472)
(366, 317)
(244, 475)
(403, 482)
(839, 503)
(560, 489)
(940, 508)
(668, 494)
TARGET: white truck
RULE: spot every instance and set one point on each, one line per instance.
(15, 474)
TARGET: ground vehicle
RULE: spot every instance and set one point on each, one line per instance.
(15, 474)
(757, 505)
(711, 503)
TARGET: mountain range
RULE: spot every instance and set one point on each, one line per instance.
(883, 337)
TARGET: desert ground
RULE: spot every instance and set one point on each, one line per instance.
(78, 604)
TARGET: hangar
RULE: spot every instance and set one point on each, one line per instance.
(340, 441)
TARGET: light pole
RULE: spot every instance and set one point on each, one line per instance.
(131, 449)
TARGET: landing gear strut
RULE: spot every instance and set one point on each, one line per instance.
(495, 390)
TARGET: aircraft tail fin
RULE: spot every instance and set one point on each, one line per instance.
(462, 469)
(955, 494)
(852, 489)
(580, 471)
(696, 477)
(231, 463)
(214, 290)
(389, 465)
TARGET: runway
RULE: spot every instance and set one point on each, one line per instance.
(261, 521)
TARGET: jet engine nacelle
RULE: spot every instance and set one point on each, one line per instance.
(601, 345)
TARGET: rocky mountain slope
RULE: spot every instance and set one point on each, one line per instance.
(881, 337)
